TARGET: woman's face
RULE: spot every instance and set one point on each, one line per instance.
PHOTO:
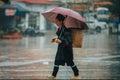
(58, 23)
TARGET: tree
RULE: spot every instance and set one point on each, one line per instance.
(6, 1)
(115, 11)
(114, 8)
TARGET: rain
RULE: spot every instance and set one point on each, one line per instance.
(26, 51)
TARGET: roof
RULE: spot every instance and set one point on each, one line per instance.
(39, 1)
(102, 3)
(79, 7)
(6, 6)
(18, 6)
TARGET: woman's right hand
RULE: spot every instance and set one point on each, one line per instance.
(56, 40)
(53, 40)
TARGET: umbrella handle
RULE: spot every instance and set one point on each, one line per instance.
(65, 18)
(61, 32)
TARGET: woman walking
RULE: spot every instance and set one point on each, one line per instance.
(65, 50)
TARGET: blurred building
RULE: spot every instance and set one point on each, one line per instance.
(77, 5)
(34, 18)
(84, 5)
(101, 3)
(35, 7)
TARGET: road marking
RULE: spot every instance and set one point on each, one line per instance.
(46, 61)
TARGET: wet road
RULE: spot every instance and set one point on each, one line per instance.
(33, 57)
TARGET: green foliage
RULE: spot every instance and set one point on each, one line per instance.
(115, 7)
(6, 1)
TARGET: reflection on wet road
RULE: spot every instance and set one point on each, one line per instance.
(33, 57)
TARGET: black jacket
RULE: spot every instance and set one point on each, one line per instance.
(65, 51)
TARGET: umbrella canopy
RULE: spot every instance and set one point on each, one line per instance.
(73, 18)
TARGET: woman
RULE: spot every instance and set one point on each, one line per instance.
(65, 50)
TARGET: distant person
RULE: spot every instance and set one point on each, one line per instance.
(65, 50)
(116, 23)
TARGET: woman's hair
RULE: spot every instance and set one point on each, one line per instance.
(60, 17)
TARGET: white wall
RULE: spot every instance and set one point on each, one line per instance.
(40, 8)
(26, 20)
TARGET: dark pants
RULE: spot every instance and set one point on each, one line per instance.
(73, 66)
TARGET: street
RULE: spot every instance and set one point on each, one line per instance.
(33, 57)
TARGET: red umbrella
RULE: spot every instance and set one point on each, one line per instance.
(73, 18)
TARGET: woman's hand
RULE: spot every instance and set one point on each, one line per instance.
(56, 40)
(53, 40)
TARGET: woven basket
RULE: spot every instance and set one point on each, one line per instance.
(77, 38)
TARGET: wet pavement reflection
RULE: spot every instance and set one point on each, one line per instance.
(33, 57)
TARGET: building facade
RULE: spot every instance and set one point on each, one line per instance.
(34, 18)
